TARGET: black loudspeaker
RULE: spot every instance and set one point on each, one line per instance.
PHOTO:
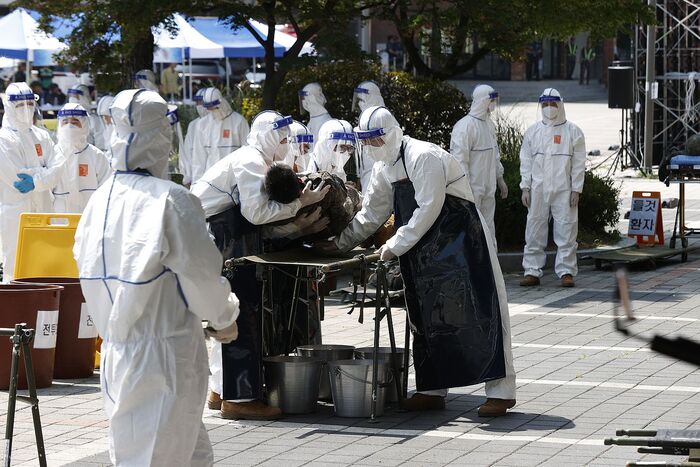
(620, 87)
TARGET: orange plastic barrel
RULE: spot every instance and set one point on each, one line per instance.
(36, 305)
(75, 345)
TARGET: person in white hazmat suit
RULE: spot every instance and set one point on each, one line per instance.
(235, 202)
(312, 101)
(80, 94)
(454, 288)
(475, 145)
(85, 167)
(220, 133)
(103, 132)
(150, 276)
(334, 147)
(301, 145)
(145, 79)
(185, 159)
(28, 169)
(552, 170)
(366, 94)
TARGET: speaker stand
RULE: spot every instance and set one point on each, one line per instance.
(624, 154)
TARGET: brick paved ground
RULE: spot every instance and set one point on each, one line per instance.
(578, 381)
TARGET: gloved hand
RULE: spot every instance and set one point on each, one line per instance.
(225, 336)
(526, 198)
(502, 187)
(25, 183)
(573, 202)
(326, 247)
(385, 254)
(309, 196)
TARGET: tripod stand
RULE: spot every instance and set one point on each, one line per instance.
(623, 155)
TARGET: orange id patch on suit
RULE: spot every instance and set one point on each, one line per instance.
(557, 139)
(83, 170)
(39, 150)
(227, 133)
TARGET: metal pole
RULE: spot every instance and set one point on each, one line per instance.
(648, 101)
(228, 84)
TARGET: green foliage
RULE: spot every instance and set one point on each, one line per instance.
(427, 109)
(598, 207)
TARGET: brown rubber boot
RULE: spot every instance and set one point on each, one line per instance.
(214, 401)
(253, 410)
(529, 281)
(567, 280)
(421, 402)
(496, 407)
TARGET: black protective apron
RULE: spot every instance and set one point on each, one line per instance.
(451, 295)
(235, 237)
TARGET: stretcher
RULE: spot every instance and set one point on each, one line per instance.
(638, 255)
(318, 269)
(681, 170)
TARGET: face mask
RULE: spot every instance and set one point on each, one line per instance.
(201, 111)
(550, 113)
(492, 107)
(72, 137)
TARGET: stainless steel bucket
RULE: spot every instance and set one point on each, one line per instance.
(292, 383)
(384, 354)
(327, 353)
(351, 385)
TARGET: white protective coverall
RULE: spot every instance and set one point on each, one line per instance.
(327, 155)
(150, 274)
(434, 173)
(24, 149)
(220, 133)
(552, 166)
(80, 94)
(301, 145)
(475, 145)
(85, 167)
(103, 132)
(185, 159)
(312, 101)
(366, 94)
(146, 79)
(239, 178)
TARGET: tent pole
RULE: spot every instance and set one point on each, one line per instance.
(191, 77)
(228, 83)
(184, 76)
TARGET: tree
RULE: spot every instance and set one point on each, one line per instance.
(113, 38)
(504, 27)
(309, 18)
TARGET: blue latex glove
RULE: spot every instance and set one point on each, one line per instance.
(25, 183)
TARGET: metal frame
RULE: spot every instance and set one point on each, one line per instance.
(677, 53)
(21, 337)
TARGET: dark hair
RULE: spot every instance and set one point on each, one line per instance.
(35, 83)
(282, 184)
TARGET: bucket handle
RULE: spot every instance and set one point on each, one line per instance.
(339, 371)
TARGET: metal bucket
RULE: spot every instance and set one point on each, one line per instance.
(351, 385)
(292, 383)
(384, 355)
(326, 353)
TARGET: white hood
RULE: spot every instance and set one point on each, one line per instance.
(481, 99)
(103, 105)
(142, 133)
(72, 139)
(18, 118)
(552, 95)
(368, 94)
(266, 132)
(146, 79)
(80, 94)
(380, 121)
(215, 104)
(312, 99)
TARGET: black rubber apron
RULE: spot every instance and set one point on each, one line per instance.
(235, 237)
(451, 295)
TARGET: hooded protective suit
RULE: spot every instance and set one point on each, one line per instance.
(328, 156)
(552, 166)
(312, 101)
(85, 167)
(366, 94)
(146, 79)
(239, 180)
(24, 149)
(150, 274)
(437, 187)
(301, 145)
(104, 129)
(475, 145)
(185, 159)
(220, 133)
(80, 94)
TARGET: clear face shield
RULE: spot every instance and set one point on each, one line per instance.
(199, 105)
(24, 107)
(74, 95)
(343, 144)
(281, 128)
(548, 107)
(302, 96)
(303, 145)
(359, 96)
(494, 102)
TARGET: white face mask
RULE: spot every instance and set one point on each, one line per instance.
(550, 112)
(72, 137)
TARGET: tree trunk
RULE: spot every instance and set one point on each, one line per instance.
(140, 55)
